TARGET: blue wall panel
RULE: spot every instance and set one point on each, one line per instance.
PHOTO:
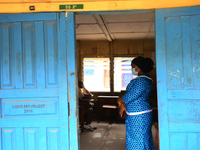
(31, 138)
(29, 55)
(192, 141)
(39, 46)
(195, 44)
(178, 141)
(53, 135)
(39, 53)
(174, 53)
(51, 53)
(184, 110)
(187, 53)
(7, 53)
(8, 139)
(17, 47)
(198, 141)
(184, 141)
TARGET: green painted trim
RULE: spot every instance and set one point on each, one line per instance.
(72, 6)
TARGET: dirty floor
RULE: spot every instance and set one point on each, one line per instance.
(106, 137)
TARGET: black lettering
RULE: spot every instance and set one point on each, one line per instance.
(18, 106)
(28, 111)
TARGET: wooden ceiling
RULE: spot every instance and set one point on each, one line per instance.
(115, 27)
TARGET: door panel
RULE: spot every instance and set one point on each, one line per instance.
(33, 89)
(178, 75)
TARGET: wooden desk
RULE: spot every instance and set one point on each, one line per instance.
(83, 103)
(106, 100)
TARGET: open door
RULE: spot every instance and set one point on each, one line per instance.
(33, 86)
(178, 77)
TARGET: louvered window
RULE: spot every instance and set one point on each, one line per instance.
(122, 72)
(96, 74)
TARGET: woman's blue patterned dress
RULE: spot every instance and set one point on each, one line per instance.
(138, 127)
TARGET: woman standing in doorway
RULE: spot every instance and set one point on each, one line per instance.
(136, 104)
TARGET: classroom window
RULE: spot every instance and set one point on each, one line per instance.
(96, 74)
(122, 72)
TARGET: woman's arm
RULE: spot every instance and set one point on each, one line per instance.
(86, 92)
(120, 101)
(136, 89)
(122, 107)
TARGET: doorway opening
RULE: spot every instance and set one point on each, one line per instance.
(106, 41)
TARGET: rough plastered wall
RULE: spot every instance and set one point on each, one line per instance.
(20, 6)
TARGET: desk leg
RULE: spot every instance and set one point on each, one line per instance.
(98, 119)
(116, 114)
(82, 118)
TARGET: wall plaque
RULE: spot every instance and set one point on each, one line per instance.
(28, 107)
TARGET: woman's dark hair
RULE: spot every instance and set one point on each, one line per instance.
(145, 64)
(80, 84)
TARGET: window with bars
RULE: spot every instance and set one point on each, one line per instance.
(122, 72)
(96, 73)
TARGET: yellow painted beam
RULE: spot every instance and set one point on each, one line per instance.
(22, 6)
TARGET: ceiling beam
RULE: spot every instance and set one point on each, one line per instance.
(149, 28)
(103, 27)
(104, 20)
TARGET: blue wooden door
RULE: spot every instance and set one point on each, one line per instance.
(33, 82)
(178, 77)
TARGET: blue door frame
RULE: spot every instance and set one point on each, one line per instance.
(72, 81)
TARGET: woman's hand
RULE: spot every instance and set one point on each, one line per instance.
(120, 101)
(122, 108)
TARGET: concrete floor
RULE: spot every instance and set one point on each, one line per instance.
(106, 137)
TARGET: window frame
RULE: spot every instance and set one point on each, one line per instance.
(111, 57)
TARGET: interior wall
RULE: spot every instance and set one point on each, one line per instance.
(115, 48)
